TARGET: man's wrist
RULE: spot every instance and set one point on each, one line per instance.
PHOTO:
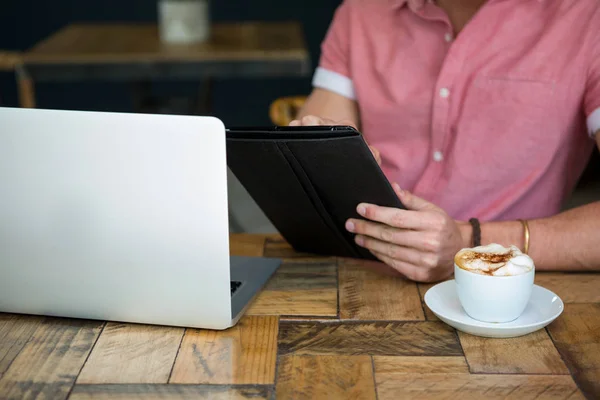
(505, 233)
(466, 232)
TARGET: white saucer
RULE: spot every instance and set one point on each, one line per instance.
(543, 308)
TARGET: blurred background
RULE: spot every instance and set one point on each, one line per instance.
(24, 23)
(261, 51)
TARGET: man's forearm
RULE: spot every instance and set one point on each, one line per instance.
(567, 241)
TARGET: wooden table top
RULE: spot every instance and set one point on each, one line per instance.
(126, 43)
(323, 328)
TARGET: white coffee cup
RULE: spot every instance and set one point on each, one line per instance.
(184, 21)
(493, 299)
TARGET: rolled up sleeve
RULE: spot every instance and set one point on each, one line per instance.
(333, 72)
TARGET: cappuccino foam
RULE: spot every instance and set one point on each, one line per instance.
(494, 260)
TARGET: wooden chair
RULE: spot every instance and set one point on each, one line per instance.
(284, 109)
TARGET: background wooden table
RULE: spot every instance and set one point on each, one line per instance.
(134, 53)
(323, 328)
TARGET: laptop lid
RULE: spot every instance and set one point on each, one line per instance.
(114, 216)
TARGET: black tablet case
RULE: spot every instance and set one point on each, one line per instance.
(308, 181)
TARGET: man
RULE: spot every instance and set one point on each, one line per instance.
(480, 111)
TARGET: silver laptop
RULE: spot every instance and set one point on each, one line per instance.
(119, 217)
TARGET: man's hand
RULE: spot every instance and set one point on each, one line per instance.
(419, 242)
(311, 120)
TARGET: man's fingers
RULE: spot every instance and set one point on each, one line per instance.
(310, 120)
(313, 120)
(404, 219)
(412, 272)
(376, 154)
(411, 201)
(404, 237)
(400, 253)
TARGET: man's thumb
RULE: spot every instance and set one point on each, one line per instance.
(411, 201)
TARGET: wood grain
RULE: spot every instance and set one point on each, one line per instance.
(276, 246)
(131, 353)
(118, 43)
(576, 334)
(15, 332)
(307, 289)
(325, 377)
(50, 362)
(247, 245)
(530, 354)
(465, 386)
(372, 338)
(244, 354)
(160, 392)
(369, 295)
(317, 302)
(572, 287)
(420, 365)
(307, 319)
(423, 288)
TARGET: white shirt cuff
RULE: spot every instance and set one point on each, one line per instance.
(593, 122)
(337, 83)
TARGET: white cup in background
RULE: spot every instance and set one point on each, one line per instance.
(183, 21)
(494, 299)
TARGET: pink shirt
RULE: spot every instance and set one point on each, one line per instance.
(495, 123)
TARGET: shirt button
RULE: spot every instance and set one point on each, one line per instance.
(438, 156)
(444, 93)
(448, 37)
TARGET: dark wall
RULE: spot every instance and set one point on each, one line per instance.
(237, 102)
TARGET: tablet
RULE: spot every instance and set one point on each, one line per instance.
(308, 181)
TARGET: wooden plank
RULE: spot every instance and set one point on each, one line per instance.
(164, 392)
(248, 245)
(423, 288)
(571, 287)
(50, 362)
(531, 354)
(318, 302)
(576, 334)
(420, 365)
(369, 295)
(307, 319)
(276, 246)
(131, 353)
(244, 354)
(325, 377)
(306, 289)
(465, 386)
(372, 338)
(15, 332)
